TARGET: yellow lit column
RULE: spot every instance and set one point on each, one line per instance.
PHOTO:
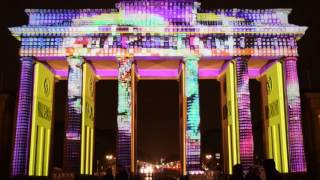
(133, 120)
(230, 124)
(40, 141)
(274, 115)
(182, 120)
(87, 122)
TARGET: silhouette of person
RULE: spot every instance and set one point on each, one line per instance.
(122, 174)
(109, 175)
(270, 170)
(237, 172)
(253, 174)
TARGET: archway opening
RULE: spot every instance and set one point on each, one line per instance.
(211, 134)
(158, 123)
(257, 121)
(60, 116)
(105, 125)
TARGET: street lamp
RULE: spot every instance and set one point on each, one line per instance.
(109, 157)
(109, 160)
(208, 157)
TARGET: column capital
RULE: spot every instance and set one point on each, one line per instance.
(243, 58)
(27, 58)
(75, 60)
(125, 56)
(191, 57)
(290, 58)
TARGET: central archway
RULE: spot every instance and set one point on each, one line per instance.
(157, 121)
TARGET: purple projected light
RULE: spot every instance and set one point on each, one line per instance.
(21, 142)
(158, 72)
(209, 73)
(61, 73)
(296, 148)
(107, 73)
(156, 30)
(244, 114)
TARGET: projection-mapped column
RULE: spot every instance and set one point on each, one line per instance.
(230, 123)
(41, 126)
(192, 141)
(87, 122)
(275, 121)
(244, 114)
(124, 112)
(22, 133)
(296, 149)
(73, 124)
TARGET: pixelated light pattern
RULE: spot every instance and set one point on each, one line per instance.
(296, 149)
(159, 28)
(244, 113)
(124, 112)
(193, 161)
(22, 134)
(73, 124)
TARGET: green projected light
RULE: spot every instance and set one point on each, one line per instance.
(193, 162)
(150, 30)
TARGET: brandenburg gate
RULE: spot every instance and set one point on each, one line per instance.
(158, 39)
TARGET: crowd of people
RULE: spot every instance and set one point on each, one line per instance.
(267, 172)
(121, 174)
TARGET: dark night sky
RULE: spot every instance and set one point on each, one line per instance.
(157, 100)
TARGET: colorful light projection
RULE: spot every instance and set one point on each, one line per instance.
(296, 149)
(275, 116)
(23, 124)
(155, 28)
(152, 43)
(124, 112)
(244, 113)
(73, 124)
(193, 161)
(41, 121)
(87, 122)
(160, 28)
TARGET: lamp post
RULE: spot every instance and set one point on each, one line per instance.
(109, 158)
(110, 162)
(208, 158)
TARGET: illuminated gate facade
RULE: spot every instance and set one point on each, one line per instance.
(165, 39)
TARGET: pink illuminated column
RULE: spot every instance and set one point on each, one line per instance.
(72, 145)
(24, 112)
(244, 113)
(297, 162)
